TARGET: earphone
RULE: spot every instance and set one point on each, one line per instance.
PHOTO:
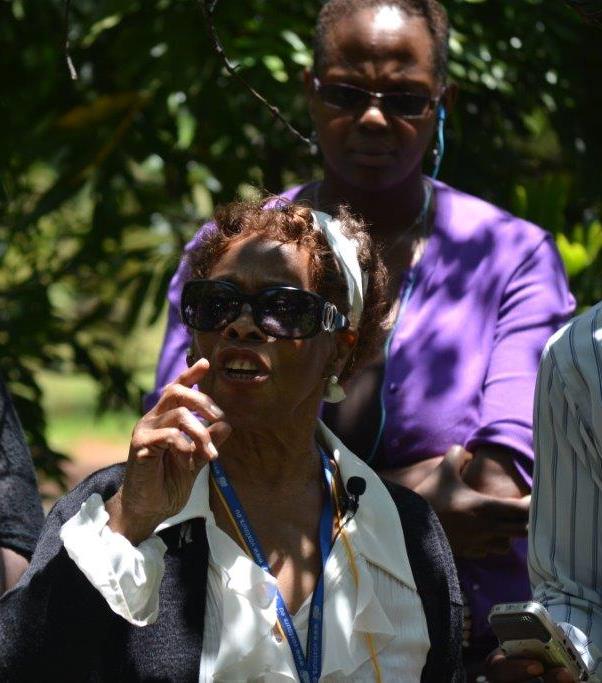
(439, 150)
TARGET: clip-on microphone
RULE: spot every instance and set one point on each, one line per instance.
(351, 501)
(356, 486)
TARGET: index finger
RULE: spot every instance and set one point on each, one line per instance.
(181, 393)
(193, 374)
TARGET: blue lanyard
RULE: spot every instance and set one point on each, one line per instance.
(309, 666)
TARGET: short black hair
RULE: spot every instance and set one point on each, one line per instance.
(432, 11)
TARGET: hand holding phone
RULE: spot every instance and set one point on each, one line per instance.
(526, 630)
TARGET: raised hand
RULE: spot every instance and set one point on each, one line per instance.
(168, 448)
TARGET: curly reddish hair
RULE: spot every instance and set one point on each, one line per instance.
(287, 222)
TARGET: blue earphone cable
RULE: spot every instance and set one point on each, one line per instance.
(411, 278)
(405, 297)
(440, 148)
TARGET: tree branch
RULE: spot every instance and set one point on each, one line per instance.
(208, 9)
(66, 45)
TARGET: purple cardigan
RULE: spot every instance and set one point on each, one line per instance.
(488, 292)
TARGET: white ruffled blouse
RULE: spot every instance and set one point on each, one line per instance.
(373, 630)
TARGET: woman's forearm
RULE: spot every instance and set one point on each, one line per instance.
(478, 497)
(493, 473)
(412, 475)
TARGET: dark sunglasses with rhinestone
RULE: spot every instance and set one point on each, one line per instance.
(405, 105)
(281, 312)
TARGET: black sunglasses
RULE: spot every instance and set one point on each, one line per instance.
(282, 312)
(405, 105)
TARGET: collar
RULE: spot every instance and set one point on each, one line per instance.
(247, 647)
(375, 530)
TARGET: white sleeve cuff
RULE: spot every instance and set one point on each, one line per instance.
(589, 654)
(128, 577)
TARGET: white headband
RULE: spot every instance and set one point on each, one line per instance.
(345, 252)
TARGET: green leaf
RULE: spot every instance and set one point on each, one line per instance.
(574, 255)
(99, 27)
(276, 67)
(186, 123)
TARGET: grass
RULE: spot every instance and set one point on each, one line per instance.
(70, 404)
(70, 401)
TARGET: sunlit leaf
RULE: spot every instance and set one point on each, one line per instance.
(99, 27)
(574, 255)
(276, 67)
(186, 128)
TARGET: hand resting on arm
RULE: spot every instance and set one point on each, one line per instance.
(480, 499)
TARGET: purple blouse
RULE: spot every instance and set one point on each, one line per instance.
(488, 292)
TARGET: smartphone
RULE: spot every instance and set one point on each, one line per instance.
(525, 629)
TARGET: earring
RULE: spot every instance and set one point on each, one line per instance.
(334, 391)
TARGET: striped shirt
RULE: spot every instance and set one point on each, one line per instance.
(565, 560)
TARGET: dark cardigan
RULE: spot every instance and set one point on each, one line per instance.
(21, 516)
(54, 626)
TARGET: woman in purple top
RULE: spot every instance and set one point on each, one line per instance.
(475, 294)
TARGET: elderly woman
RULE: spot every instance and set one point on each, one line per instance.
(242, 540)
(475, 293)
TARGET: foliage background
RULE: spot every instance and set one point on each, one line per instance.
(104, 179)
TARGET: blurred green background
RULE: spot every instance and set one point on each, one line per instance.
(103, 179)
